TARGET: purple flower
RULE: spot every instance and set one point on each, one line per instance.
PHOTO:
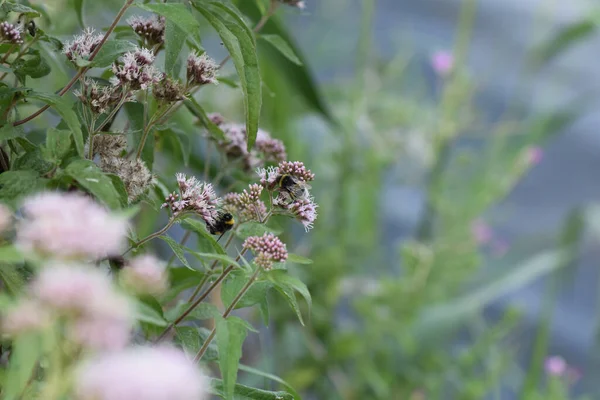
(82, 45)
(267, 249)
(442, 62)
(481, 231)
(10, 33)
(151, 29)
(555, 366)
(145, 275)
(136, 71)
(305, 211)
(534, 155)
(194, 196)
(147, 373)
(26, 316)
(201, 69)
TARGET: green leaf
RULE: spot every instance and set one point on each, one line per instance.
(196, 109)
(181, 278)
(178, 250)
(191, 340)
(239, 41)
(11, 277)
(281, 45)
(252, 228)
(146, 313)
(179, 14)
(272, 377)
(200, 228)
(243, 392)
(8, 131)
(174, 42)
(287, 285)
(211, 256)
(58, 143)
(112, 50)
(89, 176)
(119, 186)
(10, 254)
(9, 6)
(32, 65)
(230, 338)
(296, 259)
(14, 185)
(564, 39)
(26, 350)
(257, 294)
(63, 107)
(34, 161)
(78, 5)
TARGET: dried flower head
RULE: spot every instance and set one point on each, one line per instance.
(149, 373)
(6, 218)
(145, 275)
(194, 196)
(10, 33)
(100, 99)
(296, 169)
(69, 226)
(267, 249)
(82, 45)
(107, 145)
(151, 29)
(136, 71)
(136, 177)
(26, 316)
(295, 3)
(201, 69)
(169, 90)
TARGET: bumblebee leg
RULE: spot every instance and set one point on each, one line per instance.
(220, 237)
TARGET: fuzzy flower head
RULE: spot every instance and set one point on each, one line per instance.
(6, 218)
(201, 69)
(108, 145)
(26, 316)
(168, 91)
(10, 33)
(100, 99)
(296, 169)
(151, 29)
(136, 177)
(147, 373)
(247, 205)
(267, 249)
(69, 226)
(82, 45)
(136, 70)
(194, 196)
(145, 275)
(304, 210)
(442, 62)
(271, 150)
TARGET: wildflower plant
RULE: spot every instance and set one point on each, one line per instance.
(90, 306)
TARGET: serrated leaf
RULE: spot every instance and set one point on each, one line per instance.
(297, 259)
(230, 338)
(9, 6)
(34, 161)
(239, 41)
(32, 65)
(178, 14)
(211, 256)
(146, 313)
(257, 294)
(9, 132)
(63, 107)
(196, 109)
(58, 143)
(200, 228)
(243, 392)
(178, 250)
(14, 185)
(191, 340)
(88, 175)
(281, 45)
(110, 51)
(174, 42)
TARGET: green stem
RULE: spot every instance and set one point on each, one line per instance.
(112, 114)
(152, 236)
(228, 311)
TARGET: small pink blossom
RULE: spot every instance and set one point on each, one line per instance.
(555, 366)
(145, 275)
(26, 316)
(100, 334)
(481, 231)
(69, 226)
(534, 155)
(147, 373)
(442, 62)
(267, 248)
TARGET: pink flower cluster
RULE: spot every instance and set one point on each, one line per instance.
(201, 69)
(557, 366)
(145, 275)
(136, 70)
(82, 45)
(10, 33)
(270, 176)
(247, 205)
(194, 196)
(161, 373)
(305, 211)
(69, 226)
(152, 29)
(267, 249)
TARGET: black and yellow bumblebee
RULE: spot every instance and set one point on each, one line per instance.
(293, 187)
(222, 224)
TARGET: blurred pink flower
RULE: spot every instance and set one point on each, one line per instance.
(100, 333)
(147, 373)
(481, 231)
(145, 274)
(69, 226)
(555, 366)
(534, 155)
(26, 316)
(442, 62)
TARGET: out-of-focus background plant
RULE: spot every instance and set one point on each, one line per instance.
(453, 257)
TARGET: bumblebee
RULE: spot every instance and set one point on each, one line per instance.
(224, 223)
(293, 187)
